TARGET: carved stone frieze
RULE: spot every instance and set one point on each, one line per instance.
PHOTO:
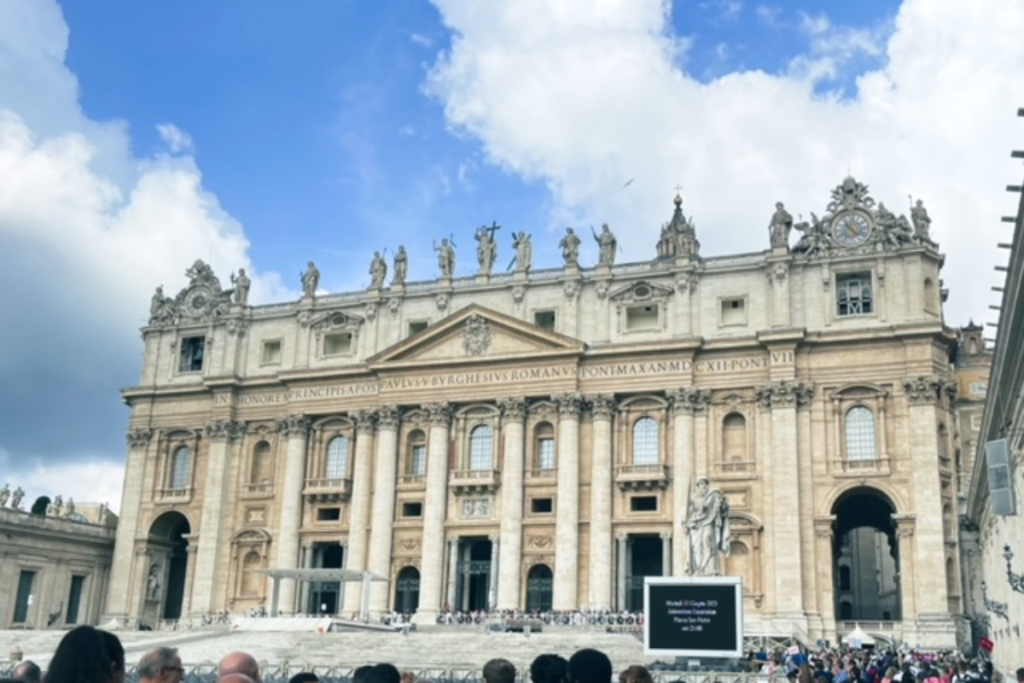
(409, 544)
(572, 289)
(518, 294)
(602, 406)
(513, 409)
(538, 541)
(297, 425)
(569, 404)
(476, 335)
(923, 389)
(237, 326)
(543, 409)
(442, 301)
(687, 283)
(394, 306)
(219, 430)
(203, 300)
(601, 289)
(777, 272)
(439, 414)
(784, 394)
(689, 399)
(387, 417)
(365, 420)
(139, 437)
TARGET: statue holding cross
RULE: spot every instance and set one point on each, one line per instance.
(487, 247)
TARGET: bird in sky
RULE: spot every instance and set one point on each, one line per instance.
(628, 183)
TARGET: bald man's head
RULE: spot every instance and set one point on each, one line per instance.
(239, 663)
(235, 678)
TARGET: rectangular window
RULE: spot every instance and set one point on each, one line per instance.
(192, 350)
(545, 453)
(418, 460)
(975, 422)
(979, 388)
(328, 514)
(853, 294)
(337, 344)
(643, 504)
(271, 354)
(544, 320)
(23, 598)
(417, 326)
(642, 318)
(734, 312)
(412, 509)
(541, 506)
(74, 599)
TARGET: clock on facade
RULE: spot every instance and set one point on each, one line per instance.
(851, 228)
(197, 300)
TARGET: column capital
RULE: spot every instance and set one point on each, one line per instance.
(904, 525)
(569, 404)
(928, 389)
(223, 430)
(689, 399)
(824, 527)
(365, 420)
(602, 406)
(785, 394)
(513, 409)
(387, 418)
(295, 425)
(439, 414)
(139, 437)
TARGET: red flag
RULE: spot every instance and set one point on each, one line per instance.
(986, 645)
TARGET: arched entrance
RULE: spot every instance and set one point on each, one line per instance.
(539, 584)
(167, 536)
(865, 557)
(407, 590)
(474, 574)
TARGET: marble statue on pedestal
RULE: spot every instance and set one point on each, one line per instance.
(570, 246)
(378, 271)
(445, 258)
(242, 284)
(310, 280)
(401, 266)
(607, 246)
(781, 224)
(707, 523)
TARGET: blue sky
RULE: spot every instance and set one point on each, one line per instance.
(137, 137)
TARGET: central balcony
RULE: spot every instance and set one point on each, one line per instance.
(327, 490)
(474, 481)
(642, 477)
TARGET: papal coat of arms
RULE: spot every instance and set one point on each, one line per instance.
(476, 337)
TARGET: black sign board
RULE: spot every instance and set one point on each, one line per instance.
(693, 617)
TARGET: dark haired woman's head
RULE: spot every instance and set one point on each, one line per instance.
(87, 655)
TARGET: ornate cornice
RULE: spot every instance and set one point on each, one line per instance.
(777, 272)
(387, 417)
(569, 405)
(365, 420)
(784, 394)
(689, 399)
(139, 437)
(601, 406)
(293, 426)
(513, 409)
(439, 414)
(925, 389)
(219, 430)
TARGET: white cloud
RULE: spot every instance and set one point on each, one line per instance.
(581, 96)
(177, 140)
(90, 482)
(768, 15)
(422, 40)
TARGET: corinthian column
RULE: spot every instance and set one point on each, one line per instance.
(685, 402)
(295, 429)
(509, 574)
(127, 527)
(601, 407)
(359, 517)
(214, 519)
(383, 513)
(432, 560)
(567, 524)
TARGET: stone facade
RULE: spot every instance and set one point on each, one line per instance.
(531, 439)
(54, 571)
(993, 530)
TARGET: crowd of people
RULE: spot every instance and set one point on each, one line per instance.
(90, 655)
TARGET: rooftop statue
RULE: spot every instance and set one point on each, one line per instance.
(445, 257)
(780, 226)
(607, 246)
(16, 498)
(378, 271)
(69, 507)
(161, 308)
(401, 266)
(5, 494)
(242, 284)
(922, 221)
(310, 280)
(570, 246)
(523, 260)
(486, 247)
(679, 236)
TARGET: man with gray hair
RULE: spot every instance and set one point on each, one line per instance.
(162, 665)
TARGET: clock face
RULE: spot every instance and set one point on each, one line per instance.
(197, 300)
(851, 228)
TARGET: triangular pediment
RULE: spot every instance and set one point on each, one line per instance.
(476, 333)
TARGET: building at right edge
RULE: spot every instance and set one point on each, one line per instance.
(992, 532)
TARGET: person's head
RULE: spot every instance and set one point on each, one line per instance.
(499, 671)
(548, 669)
(589, 666)
(383, 673)
(235, 678)
(304, 677)
(27, 672)
(636, 674)
(162, 665)
(87, 655)
(359, 675)
(239, 663)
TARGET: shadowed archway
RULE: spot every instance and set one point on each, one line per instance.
(865, 557)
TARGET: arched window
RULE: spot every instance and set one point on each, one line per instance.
(860, 434)
(262, 465)
(337, 458)
(734, 438)
(737, 563)
(645, 442)
(544, 440)
(844, 578)
(416, 456)
(181, 468)
(481, 448)
(251, 580)
(943, 439)
(951, 588)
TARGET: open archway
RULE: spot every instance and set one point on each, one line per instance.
(865, 557)
(539, 588)
(166, 584)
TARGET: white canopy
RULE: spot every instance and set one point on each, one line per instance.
(858, 638)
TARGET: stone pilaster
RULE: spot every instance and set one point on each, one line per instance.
(139, 440)
(778, 280)
(453, 571)
(296, 430)
(383, 511)
(214, 522)
(359, 516)
(513, 411)
(666, 554)
(824, 539)
(492, 578)
(685, 402)
(622, 571)
(434, 513)
(601, 408)
(568, 507)
(905, 525)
